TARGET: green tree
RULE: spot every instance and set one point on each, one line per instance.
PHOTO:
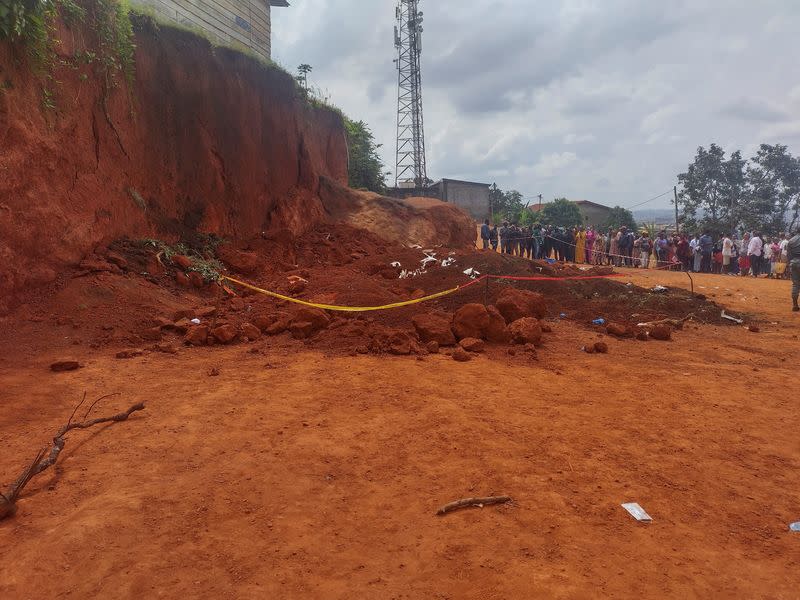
(774, 180)
(713, 190)
(561, 213)
(619, 217)
(365, 167)
(302, 75)
(505, 206)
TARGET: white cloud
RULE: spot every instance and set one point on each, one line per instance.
(550, 164)
(578, 98)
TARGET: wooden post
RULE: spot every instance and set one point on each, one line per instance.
(677, 223)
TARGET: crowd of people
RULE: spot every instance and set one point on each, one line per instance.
(753, 254)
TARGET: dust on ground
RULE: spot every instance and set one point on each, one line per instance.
(297, 472)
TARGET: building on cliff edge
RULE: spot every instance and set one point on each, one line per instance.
(239, 23)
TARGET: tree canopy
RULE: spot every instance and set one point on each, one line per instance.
(506, 206)
(725, 194)
(619, 217)
(365, 167)
(561, 213)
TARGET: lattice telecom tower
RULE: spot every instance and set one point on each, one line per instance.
(410, 131)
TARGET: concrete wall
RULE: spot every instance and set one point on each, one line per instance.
(472, 197)
(238, 23)
(594, 215)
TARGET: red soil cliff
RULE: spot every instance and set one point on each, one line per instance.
(206, 139)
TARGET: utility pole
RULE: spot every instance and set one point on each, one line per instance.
(411, 167)
(677, 223)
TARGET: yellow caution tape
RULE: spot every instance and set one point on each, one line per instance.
(340, 308)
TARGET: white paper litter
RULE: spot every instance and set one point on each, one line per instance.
(659, 289)
(428, 260)
(415, 247)
(448, 261)
(730, 318)
(471, 273)
(395, 264)
(196, 321)
(795, 526)
(637, 512)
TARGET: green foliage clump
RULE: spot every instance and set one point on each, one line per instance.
(32, 24)
(561, 213)
(619, 217)
(508, 206)
(365, 167)
(201, 251)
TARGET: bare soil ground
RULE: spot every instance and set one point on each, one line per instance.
(297, 473)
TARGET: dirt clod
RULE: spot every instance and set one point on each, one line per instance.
(65, 365)
(461, 355)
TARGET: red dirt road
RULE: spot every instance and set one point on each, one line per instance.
(297, 475)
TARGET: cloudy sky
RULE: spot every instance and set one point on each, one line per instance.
(605, 100)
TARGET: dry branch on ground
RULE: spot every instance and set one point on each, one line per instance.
(40, 463)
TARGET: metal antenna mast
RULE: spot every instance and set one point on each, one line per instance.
(411, 167)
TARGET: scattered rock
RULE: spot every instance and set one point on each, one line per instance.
(132, 353)
(224, 334)
(512, 351)
(263, 321)
(65, 365)
(165, 348)
(250, 332)
(280, 325)
(241, 262)
(197, 336)
(301, 329)
(526, 331)
(434, 327)
(545, 328)
(516, 304)
(432, 347)
(661, 332)
(589, 349)
(153, 334)
(184, 313)
(461, 355)
(196, 279)
(601, 347)
(297, 285)
(204, 312)
(182, 279)
(471, 321)
(400, 343)
(236, 304)
(162, 322)
(497, 330)
(182, 261)
(213, 372)
(117, 259)
(530, 349)
(473, 345)
(618, 330)
(642, 336)
(179, 327)
(753, 328)
(319, 319)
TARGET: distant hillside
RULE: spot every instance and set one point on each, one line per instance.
(659, 215)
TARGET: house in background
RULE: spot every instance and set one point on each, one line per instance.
(471, 196)
(594, 214)
(239, 23)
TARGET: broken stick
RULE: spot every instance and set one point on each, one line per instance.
(40, 463)
(465, 502)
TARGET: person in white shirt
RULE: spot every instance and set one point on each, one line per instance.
(727, 251)
(694, 246)
(754, 250)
